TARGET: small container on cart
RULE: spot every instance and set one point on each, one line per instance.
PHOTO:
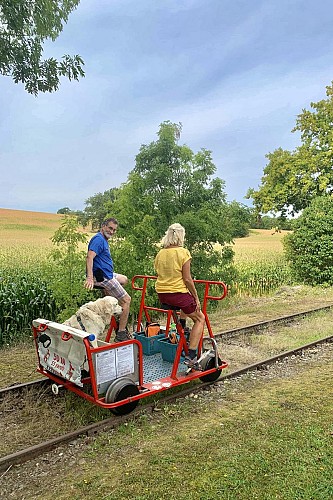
(117, 375)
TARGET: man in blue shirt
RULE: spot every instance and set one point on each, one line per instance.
(100, 272)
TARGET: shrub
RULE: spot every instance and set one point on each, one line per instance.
(67, 271)
(309, 248)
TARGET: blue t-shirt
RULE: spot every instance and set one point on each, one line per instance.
(103, 259)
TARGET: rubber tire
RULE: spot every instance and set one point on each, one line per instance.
(207, 365)
(121, 389)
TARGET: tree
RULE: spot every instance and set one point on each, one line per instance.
(64, 210)
(293, 179)
(170, 183)
(309, 248)
(267, 222)
(24, 27)
(68, 275)
(96, 209)
(239, 218)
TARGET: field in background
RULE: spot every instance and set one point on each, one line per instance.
(260, 263)
(31, 283)
(24, 246)
(261, 244)
(19, 228)
(261, 267)
(25, 237)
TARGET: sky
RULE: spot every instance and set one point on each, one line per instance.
(234, 73)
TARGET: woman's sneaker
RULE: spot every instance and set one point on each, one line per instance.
(192, 364)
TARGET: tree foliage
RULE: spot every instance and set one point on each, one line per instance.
(239, 218)
(24, 27)
(64, 210)
(96, 209)
(67, 275)
(170, 183)
(269, 222)
(309, 248)
(293, 179)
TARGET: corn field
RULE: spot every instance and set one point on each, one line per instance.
(31, 285)
(23, 297)
(261, 277)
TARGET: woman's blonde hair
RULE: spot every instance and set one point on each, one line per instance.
(175, 235)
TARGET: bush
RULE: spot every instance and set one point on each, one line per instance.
(67, 272)
(309, 248)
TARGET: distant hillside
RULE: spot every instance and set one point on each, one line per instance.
(8, 216)
(21, 226)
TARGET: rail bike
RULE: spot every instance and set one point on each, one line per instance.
(118, 375)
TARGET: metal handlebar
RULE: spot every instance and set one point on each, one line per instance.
(145, 277)
(208, 283)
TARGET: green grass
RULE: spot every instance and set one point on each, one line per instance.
(271, 441)
(247, 349)
(22, 227)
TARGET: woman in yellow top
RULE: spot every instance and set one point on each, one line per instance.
(175, 286)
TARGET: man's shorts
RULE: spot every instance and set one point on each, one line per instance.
(112, 288)
(185, 301)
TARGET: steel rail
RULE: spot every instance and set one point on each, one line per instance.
(263, 324)
(25, 385)
(27, 454)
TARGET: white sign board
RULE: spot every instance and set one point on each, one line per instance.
(114, 363)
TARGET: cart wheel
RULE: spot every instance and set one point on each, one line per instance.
(208, 364)
(118, 390)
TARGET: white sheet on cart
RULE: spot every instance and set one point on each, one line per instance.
(63, 357)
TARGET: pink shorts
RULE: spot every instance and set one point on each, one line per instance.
(184, 301)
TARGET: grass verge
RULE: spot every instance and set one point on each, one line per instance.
(258, 439)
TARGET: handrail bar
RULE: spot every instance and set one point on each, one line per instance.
(206, 297)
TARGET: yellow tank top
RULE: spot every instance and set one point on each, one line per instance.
(168, 265)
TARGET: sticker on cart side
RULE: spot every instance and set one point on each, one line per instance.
(59, 365)
(105, 366)
(125, 360)
(114, 363)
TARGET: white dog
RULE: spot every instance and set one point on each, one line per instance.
(95, 316)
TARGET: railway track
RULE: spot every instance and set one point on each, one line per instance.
(29, 453)
(255, 327)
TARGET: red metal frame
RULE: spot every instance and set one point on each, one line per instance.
(171, 314)
(91, 379)
(145, 389)
(144, 308)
